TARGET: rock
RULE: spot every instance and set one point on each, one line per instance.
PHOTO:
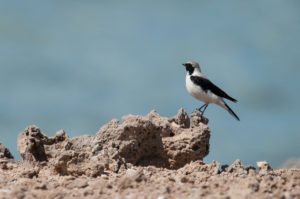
(142, 157)
(79, 182)
(237, 167)
(31, 144)
(131, 178)
(182, 119)
(263, 167)
(154, 140)
(151, 140)
(5, 153)
(197, 118)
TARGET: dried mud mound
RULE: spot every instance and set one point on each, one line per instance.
(144, 157)
(4, 152)
(151, 140)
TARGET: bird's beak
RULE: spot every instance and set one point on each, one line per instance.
(183, 65)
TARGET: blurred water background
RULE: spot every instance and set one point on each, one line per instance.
(75, 65)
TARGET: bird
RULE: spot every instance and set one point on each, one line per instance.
(201, 88)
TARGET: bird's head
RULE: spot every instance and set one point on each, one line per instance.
(190, 67)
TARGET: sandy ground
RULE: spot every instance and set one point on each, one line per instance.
(143, 157)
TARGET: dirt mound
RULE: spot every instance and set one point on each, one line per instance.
(144, 157)
(5, 153)
(151, 140)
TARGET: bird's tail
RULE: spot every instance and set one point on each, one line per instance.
(231, 112)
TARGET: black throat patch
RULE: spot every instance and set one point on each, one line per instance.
(189, 68)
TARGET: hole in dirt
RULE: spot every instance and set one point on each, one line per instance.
(154, 160)
(195, 147)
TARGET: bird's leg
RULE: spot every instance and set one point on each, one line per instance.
(199, 109)
(206, 105)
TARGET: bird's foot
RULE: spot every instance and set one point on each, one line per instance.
(200, 109)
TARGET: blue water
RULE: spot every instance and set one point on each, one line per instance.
(75, 65)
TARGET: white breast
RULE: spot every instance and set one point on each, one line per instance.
(200, 94)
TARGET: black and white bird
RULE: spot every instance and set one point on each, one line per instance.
(204, 90)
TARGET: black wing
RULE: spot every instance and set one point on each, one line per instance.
(206, 85)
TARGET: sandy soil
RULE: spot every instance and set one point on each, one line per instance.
(143, 157)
